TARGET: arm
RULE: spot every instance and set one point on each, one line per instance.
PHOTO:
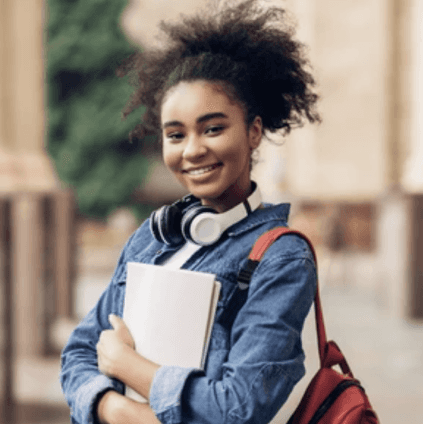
(114, 408)
(116, 360)
(265, 359)
(81, 380)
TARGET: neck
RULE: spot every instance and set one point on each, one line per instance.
(229, 199)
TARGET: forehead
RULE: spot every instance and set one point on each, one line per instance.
(191, 99)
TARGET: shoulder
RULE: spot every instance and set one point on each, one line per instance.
(290, 251)
(139, 243)
(291, 246)
(141, 237)
(263, 220)
(288, 264)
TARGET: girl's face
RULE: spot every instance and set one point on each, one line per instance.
(206, 143)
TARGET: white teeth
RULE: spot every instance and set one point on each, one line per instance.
(201, 170)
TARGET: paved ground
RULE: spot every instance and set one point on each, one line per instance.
(29, 413)
(386, 354)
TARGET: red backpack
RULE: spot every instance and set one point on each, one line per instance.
(331, 397)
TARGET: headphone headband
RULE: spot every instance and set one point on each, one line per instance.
(206, 228)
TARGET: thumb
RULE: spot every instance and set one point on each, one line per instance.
(121, 329)
(115, 321)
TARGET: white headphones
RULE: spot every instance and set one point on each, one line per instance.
(187, 219)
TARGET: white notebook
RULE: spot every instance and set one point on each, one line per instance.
(170, 313)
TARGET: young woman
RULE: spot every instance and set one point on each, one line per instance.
(219, 86)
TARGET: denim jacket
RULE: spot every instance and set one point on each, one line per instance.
(255, 354)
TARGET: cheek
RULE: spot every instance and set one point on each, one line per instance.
(238, 154)
(170, 157)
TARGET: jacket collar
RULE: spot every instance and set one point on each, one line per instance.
(260, 216)
(264, 214)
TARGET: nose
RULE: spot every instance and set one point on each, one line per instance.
(194, 148)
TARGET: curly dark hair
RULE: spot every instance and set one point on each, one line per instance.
(249, 50)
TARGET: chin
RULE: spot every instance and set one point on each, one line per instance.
(207, 195)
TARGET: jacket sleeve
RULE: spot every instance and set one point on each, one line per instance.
(82, 382)
(265, 360)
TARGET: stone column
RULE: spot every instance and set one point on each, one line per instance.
(140, 19)
(26, 172)
(22, 98)
(8, 169)
(345, 159)
(28, 285)
(413, 86)
(411, 50)
(290, 163)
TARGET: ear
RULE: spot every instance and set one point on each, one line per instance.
(255, 132)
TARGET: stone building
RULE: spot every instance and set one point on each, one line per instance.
(359, 175)
(361, 170)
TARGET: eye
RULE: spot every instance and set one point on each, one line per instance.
(175, 136)
(214, 129)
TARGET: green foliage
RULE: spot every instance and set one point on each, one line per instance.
(87, 138)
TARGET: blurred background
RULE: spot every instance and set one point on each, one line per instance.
(72, 187)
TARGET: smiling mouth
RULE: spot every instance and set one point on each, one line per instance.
(200, 171)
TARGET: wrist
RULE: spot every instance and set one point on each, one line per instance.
(108, 406)
(123, 363)
(139, 373)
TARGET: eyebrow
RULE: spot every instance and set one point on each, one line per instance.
(200, 119)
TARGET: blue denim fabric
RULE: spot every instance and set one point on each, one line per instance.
(255, 356)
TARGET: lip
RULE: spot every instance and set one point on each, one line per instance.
(200, 170)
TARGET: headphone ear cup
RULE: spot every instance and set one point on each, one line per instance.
(188, 218)
(155, 223)
(165, 225)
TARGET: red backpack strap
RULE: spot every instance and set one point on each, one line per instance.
(256, 254)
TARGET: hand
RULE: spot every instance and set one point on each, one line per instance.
(117, 358)
(113, 346)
